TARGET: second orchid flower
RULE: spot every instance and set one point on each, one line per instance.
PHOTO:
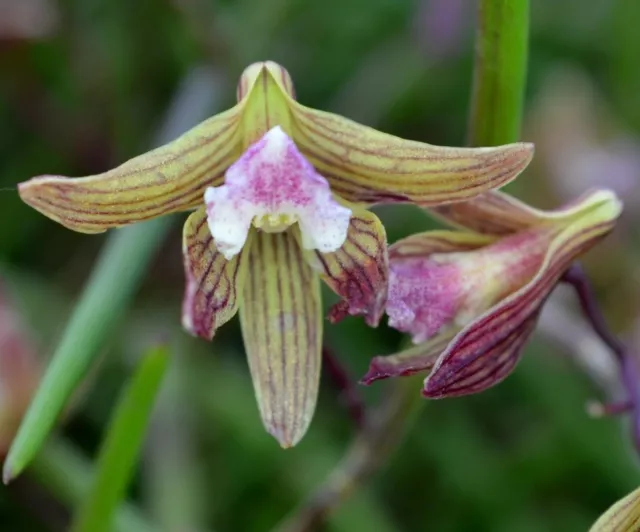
(471, 299)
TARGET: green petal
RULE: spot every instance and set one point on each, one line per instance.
(497, 213)
(168, 179)
(367, 166)
(213, 283)
(266, 90)
(493, 213)
(281, 318)
(421, 245)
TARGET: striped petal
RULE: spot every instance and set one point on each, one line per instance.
(422, 245)
(484, 352)
(168, 179)
(480, 363)
(358, 272)
(623, 516)
(493, 213)
(367, 166)
(213, 283)
(416, 359)
(499, 214)
(281, 317)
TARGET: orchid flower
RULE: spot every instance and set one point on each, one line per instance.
(471, 299)
(623, 516)
(280, 193)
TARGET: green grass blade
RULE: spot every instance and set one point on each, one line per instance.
(68, 476)
(122, 444)
(113, 282)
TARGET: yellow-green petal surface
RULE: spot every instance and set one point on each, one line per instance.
(366, 166)
(168, 179)
(281, 319)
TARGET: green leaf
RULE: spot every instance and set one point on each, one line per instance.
(122, 444)
(113, 282)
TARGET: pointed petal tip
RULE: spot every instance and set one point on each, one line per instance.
(281, 323)
(255, 72)
(381, 368)
(189, 326)
(288, 431)
(287, 437)
(529, 146)
(27, 189)
(375, 373)
(431, 391)
(520, 153)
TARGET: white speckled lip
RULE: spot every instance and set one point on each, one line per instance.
(273, 186)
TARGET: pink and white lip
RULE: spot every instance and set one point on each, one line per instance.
(272, 186)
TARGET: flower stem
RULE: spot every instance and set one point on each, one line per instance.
(627, 363)
(500, 72)
(346, 385)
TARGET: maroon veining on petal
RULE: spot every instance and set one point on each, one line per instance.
(211, 295)
(381, 368)
(358, 272)
(486, 344)
(413, 360)
(487, 365)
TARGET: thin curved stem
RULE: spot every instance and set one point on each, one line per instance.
(628, 366)
(346, 385)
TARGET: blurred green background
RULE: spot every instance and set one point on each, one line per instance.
(86, 84)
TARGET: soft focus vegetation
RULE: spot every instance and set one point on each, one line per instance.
(86, 84)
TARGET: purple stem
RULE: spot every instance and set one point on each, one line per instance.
(629, 374)
(611, 409)
(346, 386)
